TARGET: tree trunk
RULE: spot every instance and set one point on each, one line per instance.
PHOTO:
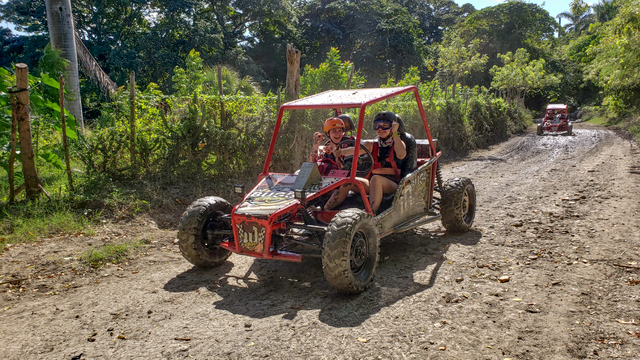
(24, 127)
(353, 66)
(398, 69)
(62, 34)
(12, 154)
(292, 89)
(293, 128)
(132, 119)
(453, 90)
(65, 146)
(433, 90)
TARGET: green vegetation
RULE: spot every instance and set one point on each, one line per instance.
(110, 253)
(519, 75)
(458, 59)
(600, 120)
(480, 75)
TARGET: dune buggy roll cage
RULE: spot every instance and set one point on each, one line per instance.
(353, 98)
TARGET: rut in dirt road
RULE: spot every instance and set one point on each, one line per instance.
(549, 271)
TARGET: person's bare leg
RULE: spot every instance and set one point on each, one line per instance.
(380, 185)
(338, 196)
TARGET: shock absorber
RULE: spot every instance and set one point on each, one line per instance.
(307, 217)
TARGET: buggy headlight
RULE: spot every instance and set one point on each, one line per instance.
(300, 195)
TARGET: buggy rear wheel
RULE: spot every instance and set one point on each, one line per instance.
(350, 251)
(458, 204)
(201, 231)
(539, 129)
(570, 129)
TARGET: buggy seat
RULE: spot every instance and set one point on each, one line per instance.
(410, 162)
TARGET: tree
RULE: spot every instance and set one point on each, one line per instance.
(508, 27)
(616, 59)
(605, 10)
(519, 75)
(62, 35)
(379, 36)
(578, 16)
(331, 74)
(458, 59)
(435, 17)
(198, 78)
(21, 48)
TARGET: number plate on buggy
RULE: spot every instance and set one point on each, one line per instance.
(251, 235)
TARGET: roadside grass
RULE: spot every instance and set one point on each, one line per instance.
(600, 120)
(109, 253)
(26, 221)
(632, 125)
(30, 221)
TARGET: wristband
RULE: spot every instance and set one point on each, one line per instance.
(396, 134)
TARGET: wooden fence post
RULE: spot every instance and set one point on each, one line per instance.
(12, 155)
(353, 66)
(64, 133)
(24, 127)
(132, 119)
(292, 87)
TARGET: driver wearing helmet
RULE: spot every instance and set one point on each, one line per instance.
(334, 128)
(388, 151)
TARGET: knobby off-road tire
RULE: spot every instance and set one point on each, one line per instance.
(539, 129)
(350, 251)
(570, 129)
(201, 217)
(458, 205)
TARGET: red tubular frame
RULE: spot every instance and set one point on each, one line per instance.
(362, 106)
(270, 227)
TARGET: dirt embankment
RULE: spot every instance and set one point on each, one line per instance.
(551, 270)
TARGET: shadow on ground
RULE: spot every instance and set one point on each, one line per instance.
(409, 264)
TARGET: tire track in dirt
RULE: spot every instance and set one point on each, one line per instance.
(563, 196)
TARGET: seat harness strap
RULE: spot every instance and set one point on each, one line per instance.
(391, 159)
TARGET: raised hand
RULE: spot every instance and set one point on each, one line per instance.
(317, 140)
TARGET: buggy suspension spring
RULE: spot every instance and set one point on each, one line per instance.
(306, 215)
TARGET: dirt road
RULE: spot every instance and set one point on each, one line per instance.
(557, 216)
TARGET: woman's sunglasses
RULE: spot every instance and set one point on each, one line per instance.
(381, 125)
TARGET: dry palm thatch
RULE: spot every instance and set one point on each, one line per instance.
(92, 69)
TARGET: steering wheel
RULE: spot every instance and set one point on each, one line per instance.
(365, 161)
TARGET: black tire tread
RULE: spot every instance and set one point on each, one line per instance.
(451, 210)
(337, 246)
(190, 232)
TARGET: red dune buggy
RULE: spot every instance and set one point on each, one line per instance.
(556, 119)
(281, 218)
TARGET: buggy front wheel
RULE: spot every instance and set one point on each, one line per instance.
(539, 129)
(201, 231)
(570, 129)
(350, 251)
(458, 207)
